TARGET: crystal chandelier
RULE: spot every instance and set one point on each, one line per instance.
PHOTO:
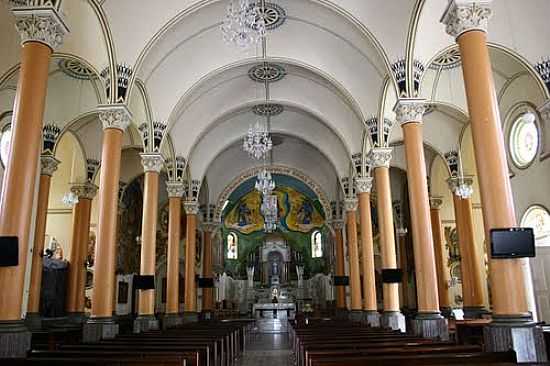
(257, 142)
(264, 183)
(244, 24)
(464, 190)
(69, 199)
(270, 212)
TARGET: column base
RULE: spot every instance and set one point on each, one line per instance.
(96, 329)
(77, 318)
(431, 325)
(342, 314)
(446, 312)
(519, 333)
(356, 315)
(207, 315)
(171, 320)
(190, 317)
(474, 312)
(33, 321)
(372, 318)
(15, 339)
(145, 323)
(393, 320)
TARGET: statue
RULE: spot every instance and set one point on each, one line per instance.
(275, 268)
(250, 276)
(300, 274)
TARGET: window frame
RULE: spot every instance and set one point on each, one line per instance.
(236, 241)
(520, 110)
(312, 243)
(545, 239)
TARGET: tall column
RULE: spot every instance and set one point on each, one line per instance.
(48, 165)
(340, 270)
(429, 322)
(207, 272)
(512, 327)
(76, 279)
(404, 265)
(115, 119)
(41, 30)
(355, 276)
(152, 165)
(370, 308)
(175, 193)
(441, 257)
(470, 262)
(380, 158)
(192, 210)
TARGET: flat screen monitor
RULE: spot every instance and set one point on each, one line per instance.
(512, 243)
(144, 282)
(9, 251)
(206, 282)
(341, 281)
(392, 275)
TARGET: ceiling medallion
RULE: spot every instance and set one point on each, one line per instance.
(75, 69)
(273, 15)
(448, 60)
(267, 109)
(267, 72)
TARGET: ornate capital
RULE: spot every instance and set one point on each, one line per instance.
(114, 116)
(350, 204)
(39, 21)
(175, 189)
(456, 183)
(409, 110)
(363, 185)
(544, 111)
(85, 191)
(466, 15)
(152, 162)
(380, 157)
(436, 202)
(337, 224)
(48, 164)
(209, 227)
(191, 207)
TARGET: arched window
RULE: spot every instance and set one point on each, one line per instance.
(232, 246)
(524, 140)
(5, 140)
(316, 244)
(538, 218)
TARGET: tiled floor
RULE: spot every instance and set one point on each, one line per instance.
(267, 350)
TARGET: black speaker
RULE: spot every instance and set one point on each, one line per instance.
(206, 282)
(392, 275)
(144, 282)
(9, 251)
(341, 280)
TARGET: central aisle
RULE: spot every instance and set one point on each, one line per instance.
(267, 350)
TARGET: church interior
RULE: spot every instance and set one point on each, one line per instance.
(276, 182)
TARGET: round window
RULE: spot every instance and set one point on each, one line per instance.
(538, 218)
(524, 140)
(5, 140)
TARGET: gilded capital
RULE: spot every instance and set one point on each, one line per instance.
(363, 185)
(85, 191)
(461, 186)
(380, 157)
(175, 189)
(114, 116)
(350, 204)
(191, 207)
(48, 164)
(40, 21)
(152, 162)
(409, 110)
(436, 202)
(337, 224)
(466, 15)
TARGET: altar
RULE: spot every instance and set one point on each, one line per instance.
(286, 309)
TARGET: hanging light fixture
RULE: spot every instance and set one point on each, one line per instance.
(69, 199)
(244, 23)
(257, 142)
(264, 183)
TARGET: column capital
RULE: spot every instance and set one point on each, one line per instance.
(402, 231)
(85, 191)
(363, 185)
(462, 16)
(114, 116)
(380, 157)
(152, 162)
(544, 111)
(191, 207)
(409, 110)
(461, 186)
(436, 203)
(209, 227)
(48, 164)
(350, 204)
(40, 22)
(337, 224)
(175, 189)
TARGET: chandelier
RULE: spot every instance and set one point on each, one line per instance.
(257, 142)
(69, 199)
(270, 212)
(264, 183)
(244, 25)
(464, 190)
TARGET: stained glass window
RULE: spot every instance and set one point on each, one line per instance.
(5, 140)
(524, 140)
(316, 244)
(538, 218)
(232, 246)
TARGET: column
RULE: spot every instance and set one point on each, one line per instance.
(192, 210)
(152, 165)
(101, 325)
(429, 322)
(441, 257)
(512, 327)
(207, 272)
(370, 309)
(355, 275)
(380, 158)
(48, 165)
(41, 30)
(340, 270)
(76, 278)
(404, 265)
(470, 262)
(175, 193)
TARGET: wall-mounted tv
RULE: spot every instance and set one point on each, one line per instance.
(512, 243)
(341, 280)
(392, 275)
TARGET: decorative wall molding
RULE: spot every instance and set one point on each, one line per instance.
(50, 134)
(466, 15)
(92, 166)
(114, 116)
